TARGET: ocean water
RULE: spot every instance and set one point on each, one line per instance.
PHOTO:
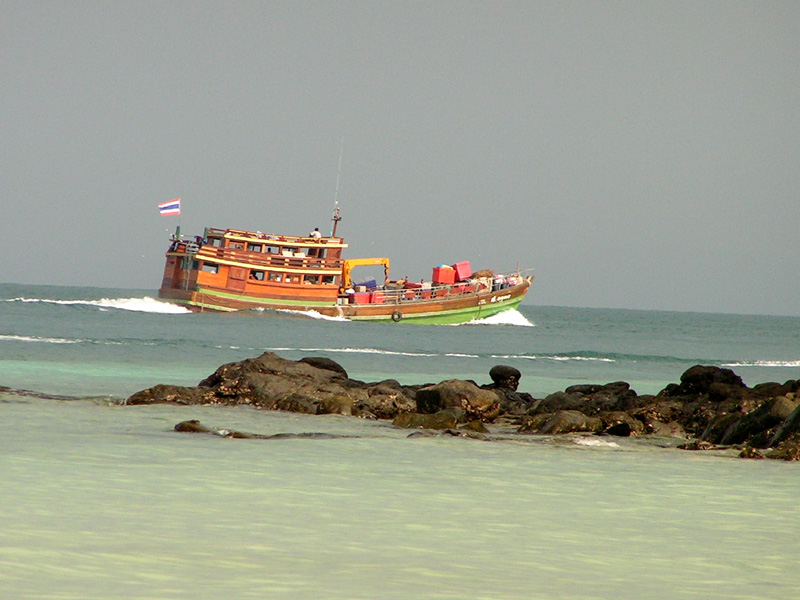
(102, 500)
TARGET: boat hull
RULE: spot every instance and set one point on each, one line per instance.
(459, 308)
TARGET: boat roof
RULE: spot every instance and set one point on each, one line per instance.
(255, 237)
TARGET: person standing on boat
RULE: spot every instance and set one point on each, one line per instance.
(315, 234)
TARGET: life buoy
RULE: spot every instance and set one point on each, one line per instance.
(396, 316)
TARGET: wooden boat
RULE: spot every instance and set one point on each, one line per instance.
(232, 270)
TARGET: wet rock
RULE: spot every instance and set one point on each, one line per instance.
(298, 403)
(621, 424)
(474, 426)
(570, 421)
(698, 445)
(769, 415)
(790, 427)
(444, 419)
(449, 432)
(532, 424)
(386, 399)
(749, 452)
(788, 449)
(477, 403)
(658, 428)
(336, 404)
(173, 394)
(194, 426)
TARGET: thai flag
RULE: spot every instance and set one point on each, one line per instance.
(173, 207)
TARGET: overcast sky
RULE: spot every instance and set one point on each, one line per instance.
(635, 154)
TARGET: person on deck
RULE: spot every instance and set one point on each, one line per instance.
(315, 234)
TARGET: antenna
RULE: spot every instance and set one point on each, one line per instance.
(336, 218)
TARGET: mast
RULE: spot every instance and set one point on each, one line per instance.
(336, 218)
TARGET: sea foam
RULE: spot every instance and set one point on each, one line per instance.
(507, 317)
(145, 304)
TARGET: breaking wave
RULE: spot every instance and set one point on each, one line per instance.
(33, 338)
(356, 351)
(763, 363)
(145, 304)
(312, 314)
(508, 317)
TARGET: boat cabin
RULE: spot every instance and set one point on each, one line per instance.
(303, 269)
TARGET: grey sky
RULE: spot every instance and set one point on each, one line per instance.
(636, 154)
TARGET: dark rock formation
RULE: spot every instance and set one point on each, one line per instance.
(711, 406)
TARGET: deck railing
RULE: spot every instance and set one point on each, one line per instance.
(269, 260)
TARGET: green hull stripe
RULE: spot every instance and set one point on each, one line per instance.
(264, 301)
(447, 317)
(438, 317)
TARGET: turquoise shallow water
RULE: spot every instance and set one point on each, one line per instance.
(106, 501)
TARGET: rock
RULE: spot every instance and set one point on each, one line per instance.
(533, 423)
(514, 403)
(621, 424)
(298, 403)
(194, 426)
(336, 404)
(322, 362)
(505, 377)
(715, 430)
(474, 426)
(789, 428)
(767, 416)
(698, 445)
(570, 421)
(453, 393)
(384, 400)
(788, 449)
(173, 394)
(591, 399)
(749, 452)
(698, 380)
(449, 432)
(444, 419)
(671, 429)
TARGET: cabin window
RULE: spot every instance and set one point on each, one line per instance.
(329, 279)
(254, 247)
(257, 275)
(312, 279)
(292, 278)
(210, 268)
(270, 249)
(216, 242)
(236, 246)
(274, 277)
